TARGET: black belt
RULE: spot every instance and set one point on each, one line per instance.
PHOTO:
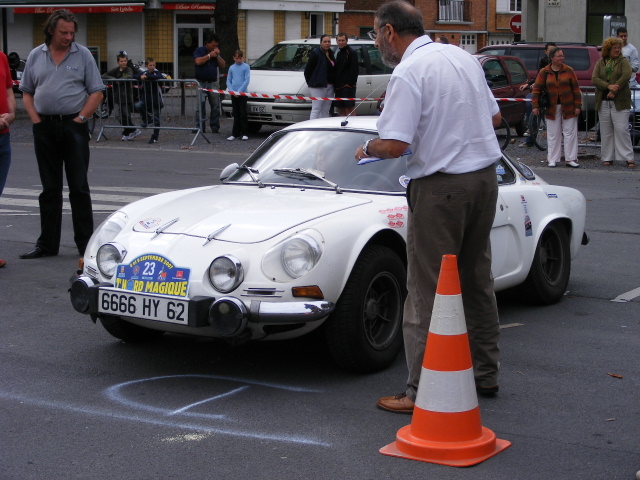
(57, 118)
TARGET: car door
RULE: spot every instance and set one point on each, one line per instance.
(373, 78)
(498, 80)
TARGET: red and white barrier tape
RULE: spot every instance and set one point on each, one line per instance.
(299, 97)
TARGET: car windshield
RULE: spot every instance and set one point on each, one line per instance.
(321, 159)
(285, 56)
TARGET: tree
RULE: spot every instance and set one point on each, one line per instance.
(226, 23)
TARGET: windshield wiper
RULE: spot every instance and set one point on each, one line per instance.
(303, 172)
(251, 172)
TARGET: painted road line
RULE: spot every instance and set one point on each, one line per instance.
(628, 296)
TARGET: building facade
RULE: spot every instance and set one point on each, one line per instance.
(577, 20)
(168, 31)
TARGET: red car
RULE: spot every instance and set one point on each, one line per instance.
(505, 75)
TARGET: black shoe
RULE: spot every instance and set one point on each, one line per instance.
(153, 140)
(37, 252)
(215, 131)
(487, 391)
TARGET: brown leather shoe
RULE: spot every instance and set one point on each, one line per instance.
(397, 404)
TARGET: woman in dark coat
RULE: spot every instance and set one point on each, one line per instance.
(319, 74)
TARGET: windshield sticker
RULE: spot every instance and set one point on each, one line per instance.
(153, 274)
(149, 223)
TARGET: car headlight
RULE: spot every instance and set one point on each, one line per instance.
(226, 273)
(300, 254)
(107, 231)
(108, 257)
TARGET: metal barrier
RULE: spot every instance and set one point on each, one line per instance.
(589, 136)
(156, 105)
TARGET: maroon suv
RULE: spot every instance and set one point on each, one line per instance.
(504, 76)
(579, 56)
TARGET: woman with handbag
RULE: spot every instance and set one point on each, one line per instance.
(613, 101)
(565, 103)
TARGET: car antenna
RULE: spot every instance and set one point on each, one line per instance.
(346, 119)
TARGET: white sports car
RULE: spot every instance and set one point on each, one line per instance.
(300, 237)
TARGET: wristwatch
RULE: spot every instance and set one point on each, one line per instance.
(365, 147)
(83, 118)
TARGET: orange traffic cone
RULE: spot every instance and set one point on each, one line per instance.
(446, 427)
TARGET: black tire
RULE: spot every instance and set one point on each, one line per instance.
(503, 132)
(551, 268)
(128, 332)
(538, 130)
(254, 127)
(364, 333)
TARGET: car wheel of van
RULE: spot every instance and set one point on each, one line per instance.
(550, 270)
(126, 331)
(254, 127)
(364, 333)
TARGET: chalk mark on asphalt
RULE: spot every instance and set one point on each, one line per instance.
(167, 417)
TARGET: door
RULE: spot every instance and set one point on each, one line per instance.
(189, 38)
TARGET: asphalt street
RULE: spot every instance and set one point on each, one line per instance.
(77, 403)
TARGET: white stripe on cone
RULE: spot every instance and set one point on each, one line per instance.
(447, 392)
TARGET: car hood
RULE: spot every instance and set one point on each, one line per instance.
(242, 214)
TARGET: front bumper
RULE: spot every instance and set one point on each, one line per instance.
(227, 315)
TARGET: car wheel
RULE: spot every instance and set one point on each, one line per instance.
(364, 333)
(549, 274)
(128, 332)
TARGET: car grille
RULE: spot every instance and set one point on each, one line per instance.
(262, 292)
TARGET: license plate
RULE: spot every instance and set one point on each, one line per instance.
(256, 109)
(151, 307)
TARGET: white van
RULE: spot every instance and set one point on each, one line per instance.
(280, 71)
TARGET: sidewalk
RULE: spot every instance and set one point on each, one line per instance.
(21, 132)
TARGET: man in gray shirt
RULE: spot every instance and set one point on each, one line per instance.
(61, 88)
(631, 53)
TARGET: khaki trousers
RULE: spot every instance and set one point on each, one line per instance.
(452, 214)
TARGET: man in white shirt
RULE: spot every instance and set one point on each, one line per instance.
(438, 104)
(631, 53)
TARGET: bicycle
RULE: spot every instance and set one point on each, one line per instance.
(538, 129)
(503, 133)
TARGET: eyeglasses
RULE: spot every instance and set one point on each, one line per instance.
(374, 36)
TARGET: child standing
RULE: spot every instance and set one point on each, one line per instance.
(238, 81)
(150, 102)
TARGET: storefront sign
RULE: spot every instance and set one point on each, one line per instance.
(188, 6)
(104, 9)
(553, 3)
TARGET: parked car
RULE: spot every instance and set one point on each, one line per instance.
(17, 67)
(300, 237)
(280, 71)
(579, 56)
(504, 76)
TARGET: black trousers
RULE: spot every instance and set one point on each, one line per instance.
(240, 124)
(59, 145)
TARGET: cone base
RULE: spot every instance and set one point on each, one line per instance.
(455, 454)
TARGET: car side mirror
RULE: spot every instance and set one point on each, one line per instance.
(227, 171)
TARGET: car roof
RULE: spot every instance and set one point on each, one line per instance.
(316, 41)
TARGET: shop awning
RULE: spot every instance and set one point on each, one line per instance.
(76, 6)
